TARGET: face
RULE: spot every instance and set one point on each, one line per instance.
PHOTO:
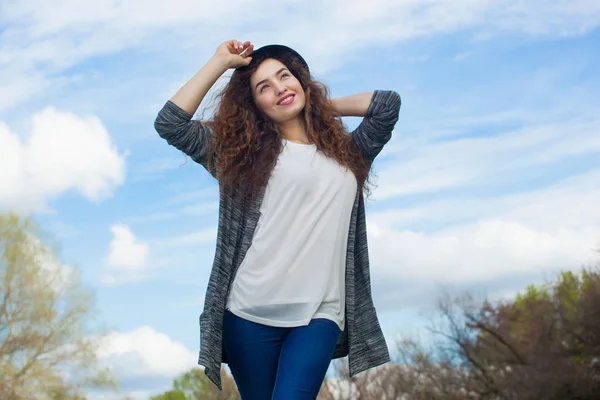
(276, 91)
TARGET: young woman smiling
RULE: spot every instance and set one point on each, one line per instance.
(290, 287)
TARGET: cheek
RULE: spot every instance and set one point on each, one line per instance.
(301, 91)
(303, 98)
(261, 103)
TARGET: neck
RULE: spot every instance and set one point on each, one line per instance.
(294, 130)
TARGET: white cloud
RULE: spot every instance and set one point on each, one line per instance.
(496, 242)
(485, 212)
(480, 252)
(43, 40)
(145, 352)
(410, 17)
(127, 256)
(18, 86)
(197, 238)
(63, 152)
(126, 251)
(426, 167)
(567, 203)
(144, 361)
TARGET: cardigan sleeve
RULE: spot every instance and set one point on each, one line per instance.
(192, 137)
(375, 130)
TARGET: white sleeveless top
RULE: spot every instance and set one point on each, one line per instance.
(294, 270)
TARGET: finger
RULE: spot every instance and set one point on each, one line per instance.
(239, 46)
(248, 50)
(231, 46)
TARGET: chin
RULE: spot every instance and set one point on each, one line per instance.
(287, 115)
(291, 115)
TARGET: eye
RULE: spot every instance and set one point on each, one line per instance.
(284, 75)
(263, 87)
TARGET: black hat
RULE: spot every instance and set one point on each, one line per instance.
(276, 51)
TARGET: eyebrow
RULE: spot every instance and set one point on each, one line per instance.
(264, 80)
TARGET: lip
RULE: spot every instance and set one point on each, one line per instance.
(292, 95)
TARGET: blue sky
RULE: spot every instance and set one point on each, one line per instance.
(491, 180)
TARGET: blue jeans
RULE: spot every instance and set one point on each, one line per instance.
(278, 363)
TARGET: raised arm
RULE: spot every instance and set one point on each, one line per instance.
(380, 110)
(174, 121)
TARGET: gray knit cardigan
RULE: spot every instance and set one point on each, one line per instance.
(362, 339)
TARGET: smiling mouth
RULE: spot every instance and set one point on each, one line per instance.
(287, 100)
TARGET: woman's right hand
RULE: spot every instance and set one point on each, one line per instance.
(235, 53)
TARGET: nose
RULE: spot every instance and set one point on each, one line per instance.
(280, 88)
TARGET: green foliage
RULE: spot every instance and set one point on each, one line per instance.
(171, 395)
(548, 339)
(46, 351)
(194, 385)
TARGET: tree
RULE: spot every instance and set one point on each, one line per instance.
(171, 395)
(194, 385)
(45, 350)
(544, 344)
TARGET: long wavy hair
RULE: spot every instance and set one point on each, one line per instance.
(246, 143)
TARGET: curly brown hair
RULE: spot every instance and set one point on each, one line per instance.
(246, 143)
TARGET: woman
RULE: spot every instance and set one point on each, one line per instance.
(290, 289)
